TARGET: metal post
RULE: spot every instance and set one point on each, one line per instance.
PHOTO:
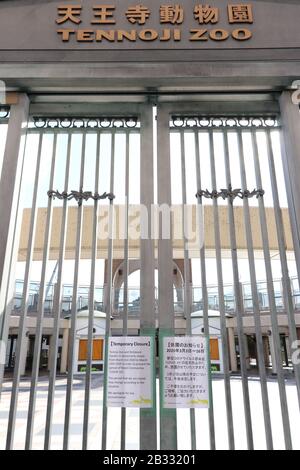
(168, 426)
(11, 216)
(290, 151)
(148, 425)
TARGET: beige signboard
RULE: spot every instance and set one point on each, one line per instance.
(172, 23)
(148, 25)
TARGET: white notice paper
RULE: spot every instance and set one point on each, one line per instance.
(185, 372)
(130, 372)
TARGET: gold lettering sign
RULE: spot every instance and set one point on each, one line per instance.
(103, 14)
(140, 18)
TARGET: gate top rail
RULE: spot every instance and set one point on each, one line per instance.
(102, 122)
(220, 122)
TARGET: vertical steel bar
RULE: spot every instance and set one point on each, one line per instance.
(109, 282)
(24, 307)
(287, 292)
(57, 303)
(40, 309)
(238, 298)
(225, 346)
(272, 302)
(74, 307)
(126, 268)
(168, 422)
(88, 375)
(254, 290)
(187, 275)
(148, 424)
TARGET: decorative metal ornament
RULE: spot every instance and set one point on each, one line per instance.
(230, 193)
(79, 196)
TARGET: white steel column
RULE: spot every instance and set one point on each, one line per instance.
(266, 351)
(247, 352)
(64, 351)
(272, 350)
(9, 203)
(288, 345)
(232, 353)
(24, 355)
(50, 351)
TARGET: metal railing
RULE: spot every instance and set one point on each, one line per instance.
(134, 298)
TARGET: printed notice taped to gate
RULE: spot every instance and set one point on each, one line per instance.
(185, 372)
(130, 372)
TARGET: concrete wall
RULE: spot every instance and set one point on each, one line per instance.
(134, 244)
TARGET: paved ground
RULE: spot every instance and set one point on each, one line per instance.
(133, 416)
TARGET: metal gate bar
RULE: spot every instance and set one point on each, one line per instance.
(67, 421)
(239, 307)
(230, 428)
(255, 299)
(148, 417)
(109, 280)
(271, 296)
(40, 309)
(287, 294)
(57, 304)
(24, 307)
(187, 272)
(125, 288)
(88, 375)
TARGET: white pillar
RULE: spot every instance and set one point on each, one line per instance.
(266, 351)
(273, 356)
(232, 352)
(247, 352)
(50, 351)
(24, 354)
(64, 351)
(288, 347)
